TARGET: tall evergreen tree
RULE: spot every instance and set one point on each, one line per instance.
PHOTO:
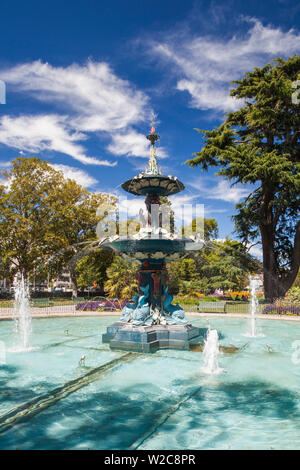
(260, 144)
(92, 268)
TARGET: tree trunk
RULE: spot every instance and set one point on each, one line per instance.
(267, 239)
(276, 286)
(73, 283)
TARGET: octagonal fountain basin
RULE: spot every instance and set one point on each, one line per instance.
(51, 399)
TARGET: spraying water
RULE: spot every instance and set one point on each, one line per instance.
(22, 314)
(254, 308)
(211, 353)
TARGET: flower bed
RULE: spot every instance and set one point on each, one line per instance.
(281, 310)
(100, 306)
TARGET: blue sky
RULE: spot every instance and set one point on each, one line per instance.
(83, 77)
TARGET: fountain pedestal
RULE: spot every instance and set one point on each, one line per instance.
(149, 339)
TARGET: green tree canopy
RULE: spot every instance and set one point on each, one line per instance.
(184, 275)
(121, 278)
(259, 144)
(45, 219)
(207, 228)
(220, 265)
(226, 265)
(179, 271)
(92, 268)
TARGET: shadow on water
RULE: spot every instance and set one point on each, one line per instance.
(260, 400)
(14, 395)
(124, 419)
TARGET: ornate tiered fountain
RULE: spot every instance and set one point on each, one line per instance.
(151, 321)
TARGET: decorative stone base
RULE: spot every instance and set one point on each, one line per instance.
(148, 339)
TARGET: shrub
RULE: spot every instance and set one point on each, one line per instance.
(293, 296)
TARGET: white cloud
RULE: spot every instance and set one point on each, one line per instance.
(186, 207)
(222, 191)
(45, 132)
(5, 164)
(132, 144)
(80, 176)
(178, 200)
(131, 206)
(227, 193)
(212, 210)
(91, 98)
(256, 251)
(102, 101)
(204, 65)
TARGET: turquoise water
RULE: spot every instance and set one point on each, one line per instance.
(159, 401)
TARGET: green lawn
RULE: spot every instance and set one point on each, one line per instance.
(10, 303)
(231, 307)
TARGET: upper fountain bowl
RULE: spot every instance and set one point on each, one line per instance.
(146, 184)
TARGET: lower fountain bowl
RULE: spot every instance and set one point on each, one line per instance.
(171, 250)
(149, 245)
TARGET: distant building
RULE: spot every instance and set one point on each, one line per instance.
(63, 281)
(4, 284)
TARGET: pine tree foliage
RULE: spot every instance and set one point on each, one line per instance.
(259, 144)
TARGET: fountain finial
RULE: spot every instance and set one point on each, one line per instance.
(153, 137)
(153, 127)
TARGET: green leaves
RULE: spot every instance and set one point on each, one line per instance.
(121, 281)
(227, 265)
(45, 219)
(92, 268)
(260, 144)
